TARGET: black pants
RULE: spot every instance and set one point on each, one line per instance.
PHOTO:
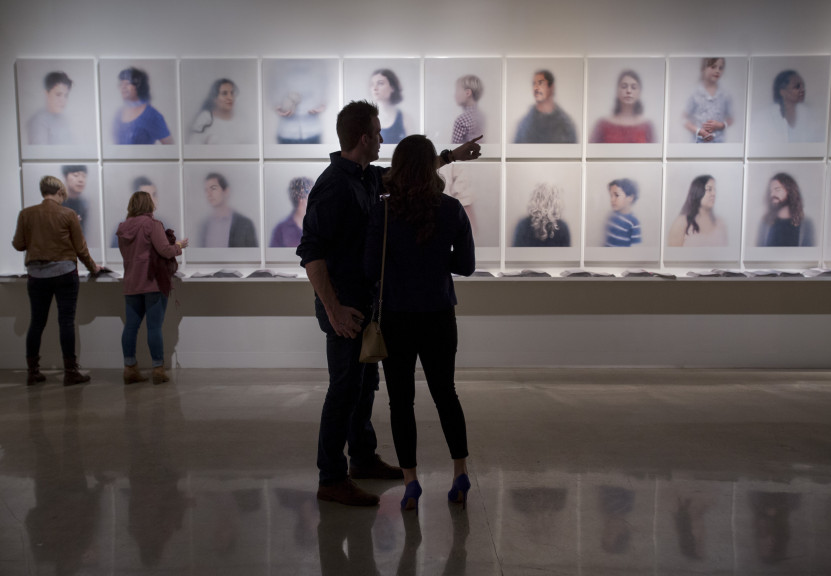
(433, 338)
(64, 288)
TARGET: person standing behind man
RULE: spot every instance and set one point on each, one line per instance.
(75, 176)
(545, 122)
(52, 238)
(331, 250)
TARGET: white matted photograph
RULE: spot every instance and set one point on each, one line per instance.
(623, 212)
(544, 101)
(287, 187)
(478, 186)
(83, 193)
(625, 107)
(789, 106)
(219, 108)
(159, 179)
(394, 85)
(222, 211)
(703, 212)
(783, 212)
(56, 109)
(301, 100)
(543, 212)
(463, 100)
(139, 109)
(707, 106)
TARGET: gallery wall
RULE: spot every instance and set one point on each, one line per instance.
(264, 30)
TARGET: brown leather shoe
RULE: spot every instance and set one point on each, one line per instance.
(377, 470)
(132, 375)
(71, 373)
(34, 374)
(159, 375)
(346, 492)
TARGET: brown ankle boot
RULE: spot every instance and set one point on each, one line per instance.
(159, 375)
(34, 376)
(132, 375)
(71, 375)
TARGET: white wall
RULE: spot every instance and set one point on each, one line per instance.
(196, 28)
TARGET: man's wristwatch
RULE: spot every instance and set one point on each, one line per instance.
(446, 156)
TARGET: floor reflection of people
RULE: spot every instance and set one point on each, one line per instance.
(689, 526)
(352, 527)
(771, 524)
(156, 504)
(64, 520)
(616, 504)
(456, 564)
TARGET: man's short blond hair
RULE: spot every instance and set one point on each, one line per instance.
(474, 84)
(50, 185)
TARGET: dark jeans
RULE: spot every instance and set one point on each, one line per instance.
(41, 290)
(153, 305)
(432, 337)
(348, 406)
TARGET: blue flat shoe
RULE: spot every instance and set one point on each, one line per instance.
(411, 495)
(458, 493)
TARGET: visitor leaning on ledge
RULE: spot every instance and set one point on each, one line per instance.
(52, 238)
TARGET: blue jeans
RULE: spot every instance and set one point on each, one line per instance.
(64, 288)
(153, 305)
(348, 406)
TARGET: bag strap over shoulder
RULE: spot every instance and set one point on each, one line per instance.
(383, 259)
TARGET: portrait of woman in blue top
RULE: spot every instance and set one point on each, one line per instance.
(428, 239)
(137, 122)
(385, 88)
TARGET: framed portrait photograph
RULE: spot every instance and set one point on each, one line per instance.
(222, 211)
(394, 85)
(707, 110)
(623, 212)
(789, 106)
(625, 107)
(703, 212)
(783, 212)
(287, 187)
(301, 101)
(56, 109)
(139, 109)
(219, 108)
(159, 179)
(83, 192)
(543, 213)
(544, 116)
(463, 100)
(478, 186)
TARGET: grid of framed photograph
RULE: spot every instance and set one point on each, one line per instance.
(598, 161)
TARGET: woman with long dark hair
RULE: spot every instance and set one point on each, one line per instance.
(214, 123)
(428, 239)
(698, 225)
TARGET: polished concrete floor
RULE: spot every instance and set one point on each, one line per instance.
(578, 472)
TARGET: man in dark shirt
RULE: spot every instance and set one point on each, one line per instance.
(546, 122)
(75, 176)
(785, 223)
(331, 250)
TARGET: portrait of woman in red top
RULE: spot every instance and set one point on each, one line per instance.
(626, 124)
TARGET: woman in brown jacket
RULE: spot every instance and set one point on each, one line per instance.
(52, 238)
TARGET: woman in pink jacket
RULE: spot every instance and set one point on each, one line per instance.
(144, 247)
